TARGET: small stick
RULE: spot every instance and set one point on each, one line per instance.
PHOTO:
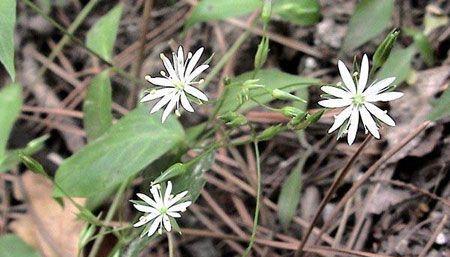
(433, 237)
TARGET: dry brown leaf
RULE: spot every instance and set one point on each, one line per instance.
(60, 224)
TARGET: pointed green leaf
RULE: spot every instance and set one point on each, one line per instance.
(441, 107)
(7, 22)
(371, 17)
(11, 103)
(12, 157)
(126, 148)
(300, 12)
(97, 106)
(101, 37)
(12, 246)
(398, 65)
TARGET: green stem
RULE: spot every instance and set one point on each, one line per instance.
(108, 218)
(258, 201)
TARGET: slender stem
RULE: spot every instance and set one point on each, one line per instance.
(170, 240)
(258, 200)
(108, 218)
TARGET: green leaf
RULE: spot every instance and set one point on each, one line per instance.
(12, 157)
(192, 179)
(127, 147)
(207, 10)
(101, 37)
(11, 103)
(301, 12)
(7, 23)
(12, 246)
(398, 65)
(271, 79)
(289, 197)
(422, 44)
(441, 107)
(371, 17)
(97, 106)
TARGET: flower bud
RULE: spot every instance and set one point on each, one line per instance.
(261, 53)
(173, 171)
(32, 164)
(384, 49)
(233, 119)
(298, 119)
(291, 112)
(266, 12)
(313, 118)
(282, 95)
(269, 132)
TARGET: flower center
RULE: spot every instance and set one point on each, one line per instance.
(163, 210)
(358, 100)
(178, 84)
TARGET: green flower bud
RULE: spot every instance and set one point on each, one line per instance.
(291, 112)
(266, 12)
(261, 53)
(297, 120)
(313, 118)
(233, 119)
(173, 171)
(384, 49)
(32, 164)
(282, 95)
(269, 132)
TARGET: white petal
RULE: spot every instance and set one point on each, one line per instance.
(196, 72)
(364, 74)
(378, 86)
(147, 199)
(177, 198)
(145, 219)
(173, 214)
(157, 94)
(169, 67)
(337, 92)
(170, 107)
(167, 224)
(379, 114)
(193, 61)
(346, 77)
(195, 92)
(167, 192)
(180, 63)
(353, 128)
(162, 102)
(156, 223)
(156, 192)
(185, 103)
(341, 118)
(144, 208)
(369, 123)
(181, 207)
(384, 97)
(335, 103)
(159, 81)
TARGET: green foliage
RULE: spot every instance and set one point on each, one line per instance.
(11, 103)
(300, 12)
(371, 17)
(97, 106)
(441, 107)
(271, 79)
(12, 158)
(384, 49)
(207, 10)
(7, 23)
(423, 45)
(398, 65)
(12, 246)
(101, 37)
(126, 148)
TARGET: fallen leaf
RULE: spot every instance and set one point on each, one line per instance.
(60, 224)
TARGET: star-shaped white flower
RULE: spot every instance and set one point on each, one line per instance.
(173, 88)
(359, 100)
(161, 208)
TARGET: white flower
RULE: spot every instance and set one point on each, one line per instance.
(173, 88)
(160, 208)
(359, 100)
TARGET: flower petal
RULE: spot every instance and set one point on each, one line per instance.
(147, 199)
(363, 75)
(379, 114)
(170, 107)
(144, 208)
(145, 219)
(336, 92)
(368, 122)
(196, 72)
(162, 102)
(384, 97)
(346, 77)
(180, 63)
(335, 103)
(159, 81)
(341, 118)
(166, 222)
(185, 103)
(353, 128)
(193, 61)
(167, 192)
(177, 198)
(156, 223)
(174, 214)
(181, 207)
(168, 66)
(195, 92)
(157, 94)
(156, 192)
(378, 86)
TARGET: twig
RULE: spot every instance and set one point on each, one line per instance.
(433, 237)
(330, 193)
